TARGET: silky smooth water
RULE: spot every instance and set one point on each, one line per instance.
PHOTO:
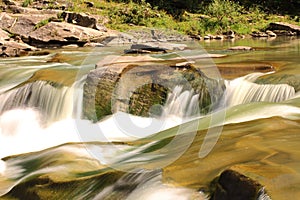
(48, 150)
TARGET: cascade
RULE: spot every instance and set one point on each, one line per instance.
(52, 101)
(243, 90)
(182, 104)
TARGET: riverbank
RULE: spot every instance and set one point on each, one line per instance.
(28, 26)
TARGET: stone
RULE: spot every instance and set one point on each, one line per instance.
(6, 21)
(230, 34)
(207, 37)
(15, 49)
(259, 34)
(93, 44)
(4, 35)
(240, 48)
(9, 2)
(26, 10)
(231, 185)
(70, 46)
(80, 19)
(137, 51)
(59, 34)
(134, 84)
(219, 37)
(284, 26)
(157, 47)
(89, 4)
(22, 24)
(197, 37)
(270, 33)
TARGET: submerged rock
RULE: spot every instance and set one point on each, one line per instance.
(231, 185)
(135, 84)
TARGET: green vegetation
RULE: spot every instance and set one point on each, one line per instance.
(26, 3)
(188, 17)
(42, 23)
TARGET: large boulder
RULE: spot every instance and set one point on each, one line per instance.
(45, 30)
(62, 33)
(284, 26)
(22, 24)
(135, 84)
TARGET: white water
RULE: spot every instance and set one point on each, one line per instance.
(242, 90)
(22, 130)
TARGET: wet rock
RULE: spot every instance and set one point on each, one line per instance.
(208, 37)
(270, 33)
(155, 47)
(230, 34)
(259, 34)
(219, 37)
(240, 48)
(284, 26)
(232, 185)
(58, 34)
(196, 37)
(93, 44)
(138, 51)
(15, 49)
(134, 84)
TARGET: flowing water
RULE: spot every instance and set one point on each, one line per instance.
(50, 151)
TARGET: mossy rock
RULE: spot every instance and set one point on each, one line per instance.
(135, 87)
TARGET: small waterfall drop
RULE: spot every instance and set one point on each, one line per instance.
(243, 90)
(54, 102)
(182, 104)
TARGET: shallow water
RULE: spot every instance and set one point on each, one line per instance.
(48, 151)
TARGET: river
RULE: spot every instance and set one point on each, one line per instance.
(48, 149)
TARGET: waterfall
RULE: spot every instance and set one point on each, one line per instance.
(182, 104)
(53, 101)
(243, 90)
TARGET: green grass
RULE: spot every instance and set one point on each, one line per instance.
(219, 17)
(42, 23)
(26, 3)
